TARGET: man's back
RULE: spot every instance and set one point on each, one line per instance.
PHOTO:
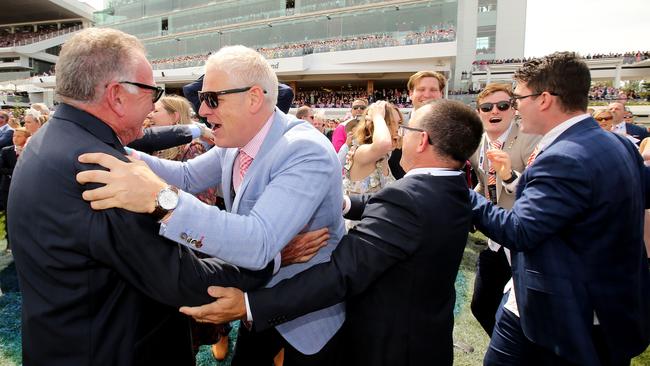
(98, 287)
(406, 316)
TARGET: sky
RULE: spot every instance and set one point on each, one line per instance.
(584, 26)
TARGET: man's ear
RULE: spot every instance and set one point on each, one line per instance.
(255, 99)
(547, 101)
(115, 97)
(423, 142)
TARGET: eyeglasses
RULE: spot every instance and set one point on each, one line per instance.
(503, 106)
(600, 119)
(401, 130)
(157, 91)
(355, 107)
(211, 98)
(514, 101)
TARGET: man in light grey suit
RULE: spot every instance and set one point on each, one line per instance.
(501, 140)
(279, 177)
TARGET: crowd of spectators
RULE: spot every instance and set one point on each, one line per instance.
(432, 34)
(604, 92)
(344, 98)
(628, 58)
(23, 36)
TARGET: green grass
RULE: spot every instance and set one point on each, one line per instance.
(468, 334)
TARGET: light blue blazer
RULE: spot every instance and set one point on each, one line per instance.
(292, 186)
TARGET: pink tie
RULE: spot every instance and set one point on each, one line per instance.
(492, 176)
(532, 156)
(244, 162)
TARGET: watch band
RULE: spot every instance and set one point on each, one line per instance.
(512, 178)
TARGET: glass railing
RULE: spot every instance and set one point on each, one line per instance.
(43, 37)
(325, 45)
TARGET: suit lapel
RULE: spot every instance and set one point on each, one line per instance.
(577, 129)
(226, 177)
(278, 127)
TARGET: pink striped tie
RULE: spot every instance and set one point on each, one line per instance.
(244, 162)
(532, 156)
(492, 175)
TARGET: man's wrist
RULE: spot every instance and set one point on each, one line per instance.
(512, 178)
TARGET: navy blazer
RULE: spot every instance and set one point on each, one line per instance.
(7, 164)
(636, 131)
(576, 235)
(99, 287)
(396, 270)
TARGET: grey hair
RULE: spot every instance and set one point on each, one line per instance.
(246, 67)
(93, 58)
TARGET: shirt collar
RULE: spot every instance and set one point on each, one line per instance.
(253, 146)
(554, 133)
(620, 127)
(503, 137)
(90, 123)
(440, 172)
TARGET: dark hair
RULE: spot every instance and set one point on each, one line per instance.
(454, 128)
(562, 73)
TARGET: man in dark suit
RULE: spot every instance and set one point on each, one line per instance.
(8, 158)
(619, 124)
(100, 287)
(397, 268)
(6, 132)
(581, 291)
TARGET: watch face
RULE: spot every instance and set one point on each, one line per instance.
(168, 199)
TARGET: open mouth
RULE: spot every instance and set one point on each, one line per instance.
(215, 126)
(495, 119)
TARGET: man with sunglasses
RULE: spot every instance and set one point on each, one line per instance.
(503, 140)
(280, 177)
(581, 287)
(100, 287)
(339, 136)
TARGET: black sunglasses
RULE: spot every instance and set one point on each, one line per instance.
(515, 98)
(503, 106)
(362, 107)
(211, 98)
(157, 91)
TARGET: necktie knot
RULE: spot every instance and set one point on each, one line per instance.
(496, 144)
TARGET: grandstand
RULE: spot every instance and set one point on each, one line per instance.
(327, 51)
(31, 35)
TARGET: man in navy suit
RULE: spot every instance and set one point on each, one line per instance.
(6, 132)
(619, 124)
(581, 291)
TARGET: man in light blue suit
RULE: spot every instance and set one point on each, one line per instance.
(279, 176)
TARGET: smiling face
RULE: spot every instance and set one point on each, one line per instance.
(425, 90)
(161, 117)
(495, 121)
(229, 120)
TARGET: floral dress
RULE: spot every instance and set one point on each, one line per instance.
(375, 181)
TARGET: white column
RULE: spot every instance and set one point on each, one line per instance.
(465, 40)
